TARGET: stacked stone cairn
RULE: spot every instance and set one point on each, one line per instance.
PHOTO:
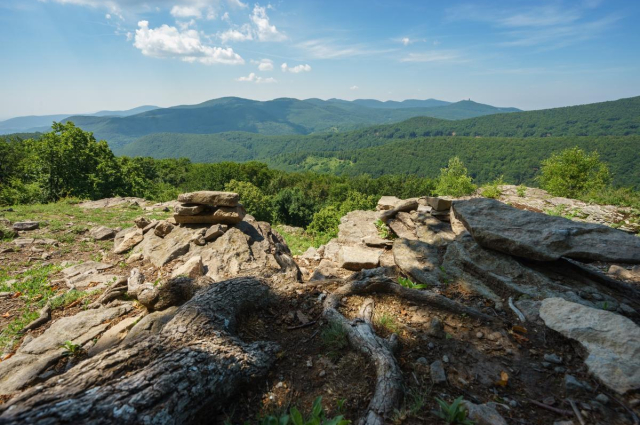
(209, 207)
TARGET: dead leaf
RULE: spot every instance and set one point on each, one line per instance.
(504, 379)
(519, 329)
(6, 315)
(16, 295)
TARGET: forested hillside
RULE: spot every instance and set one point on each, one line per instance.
(275, 117)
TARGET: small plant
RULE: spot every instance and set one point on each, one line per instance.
(334, 339)
(453, 413)
(492, 190)
(72, 350)
(317, 417)
(521, 191)
(414, 401)
(386, 320)
(408, 283)
(557, 211)
(383, 230)
(340, 404)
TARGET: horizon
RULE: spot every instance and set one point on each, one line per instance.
(120, 54)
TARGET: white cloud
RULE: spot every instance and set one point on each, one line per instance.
(354, 88)
(296, 69)
(406, 41)
(108, 16)
(253, 78)
(265, 64)
(225, 16)
(236, 35)
(185, 25)
(186, 12)
(263, 28)
(169, 42)
(237, 3)
(330, 49)
(211, 14)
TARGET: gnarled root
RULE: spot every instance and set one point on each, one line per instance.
(195, 361)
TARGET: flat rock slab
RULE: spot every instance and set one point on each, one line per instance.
(542, 237)
(358, 257)
(86, 267)
(222, 215)
(102, 233)
(114, 335)
(613, 341)
(21, 242)
(45, 350)
(159, 251)
(26, 225)
(92, 281)
(188, 209)
(213, 198)
(130, 240)
(112, 202)
(417, 259)
(356, 226)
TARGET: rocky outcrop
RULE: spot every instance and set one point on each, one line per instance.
(542, 237)
(613, 341)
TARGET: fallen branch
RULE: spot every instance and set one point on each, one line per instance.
(194, 364)
(551, 408)
(576, 411)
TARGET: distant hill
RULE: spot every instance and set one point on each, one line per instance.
(390, 104)
(512, 144)
(275, 117)
(33, 123)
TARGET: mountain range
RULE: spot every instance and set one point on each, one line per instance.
(275, 117)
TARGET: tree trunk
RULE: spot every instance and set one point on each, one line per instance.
(196, 361)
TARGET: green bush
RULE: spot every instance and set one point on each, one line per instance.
(254, 200)
(492, 190)
(292, 206)
(573, 172)
(454, 180)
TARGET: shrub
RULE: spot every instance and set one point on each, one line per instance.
(521, 191)
(454, 180)
(492, 190)
(573, 172)
(292, 206)
(254, 200)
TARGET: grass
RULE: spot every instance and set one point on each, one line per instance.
(299, 242)
(317, 416)
(454, 413)
(56, 216)
(334, 339)
(415, 400)
(387, 321)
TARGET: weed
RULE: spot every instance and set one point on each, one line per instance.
(557, 211)
(383, 230)
(453, 413)
(492, 190)
(408, 283)
(317, 417)
(387, 321)
(72, 350)
(521, 191)
(299, 242)
(415, 399)
(334, 339)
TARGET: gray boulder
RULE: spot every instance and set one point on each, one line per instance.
(358, 257)
(542, 237)
(613, 341)
(417, 259)
(102, 233)
(25, 225)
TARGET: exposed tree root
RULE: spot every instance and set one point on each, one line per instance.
(195, 361)
(389, 390)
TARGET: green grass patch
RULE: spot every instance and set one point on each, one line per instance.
(299, 242)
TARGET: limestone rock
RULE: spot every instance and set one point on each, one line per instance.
(438, 375)
(112, 202)
(113, 336)
(358, 258)
(613, 341)
(215, 231)
(188, 209)
(102, 233)
(163, 228)
(327, 269)
(25, 225)
(418, 260)
(387, 203)
(221, 215)
(542, 237)
(213, 198)
(88, 267)
(403, 206)
(193, 268)
(159, 251)
(439, 204)
(130, 240)
(357, 225)
(40, 353)
(142, 222)
(483, 414)
(22, 242)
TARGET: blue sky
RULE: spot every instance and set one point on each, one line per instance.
(76, 56)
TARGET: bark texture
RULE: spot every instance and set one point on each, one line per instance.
(196, 362)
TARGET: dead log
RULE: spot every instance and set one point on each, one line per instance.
(196, 362)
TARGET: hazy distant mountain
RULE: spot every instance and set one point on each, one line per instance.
(33, 123)
(274, 117)
(409, 103)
